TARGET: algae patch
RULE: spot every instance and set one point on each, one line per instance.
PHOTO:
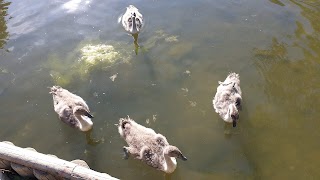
(93, 54)
(181, 49)
(158, 37)
(85, 59)
(90, 57)
(171, 39)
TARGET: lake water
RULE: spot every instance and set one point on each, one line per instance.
(186, 47)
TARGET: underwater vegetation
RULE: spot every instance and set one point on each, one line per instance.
(90, 56)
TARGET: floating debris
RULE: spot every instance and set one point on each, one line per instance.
(187, 72)
(113, 77)
(185, 89)
(10, 49)
(154, 117)
(171, 39)
(95, 94)
(3, 70)
(86, 152)
(193, 103)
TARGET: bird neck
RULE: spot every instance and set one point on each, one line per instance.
(170, 164)
(85, 123)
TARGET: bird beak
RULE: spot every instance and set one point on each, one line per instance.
(183, 157)
(234, 120)
(234, 123)
(88, 114)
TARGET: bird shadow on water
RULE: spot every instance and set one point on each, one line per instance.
(137, 47)
(90, 140)
(135, 42)
(229, 130)
(167, 176)
(173, 175)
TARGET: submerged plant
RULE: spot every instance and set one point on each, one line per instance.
(85, 59)
(94, 54)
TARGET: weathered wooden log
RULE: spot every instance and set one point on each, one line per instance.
(23, 171)
(81, 163)
(3, 163)
(55, 166)
(42, 175)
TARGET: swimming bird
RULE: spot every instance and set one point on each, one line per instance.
(132, 20)
(71, 108)
(227, 101)
(148, 146)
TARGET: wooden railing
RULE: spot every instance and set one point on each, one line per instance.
(29, 163)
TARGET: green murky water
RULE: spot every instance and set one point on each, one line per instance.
(186, 48)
